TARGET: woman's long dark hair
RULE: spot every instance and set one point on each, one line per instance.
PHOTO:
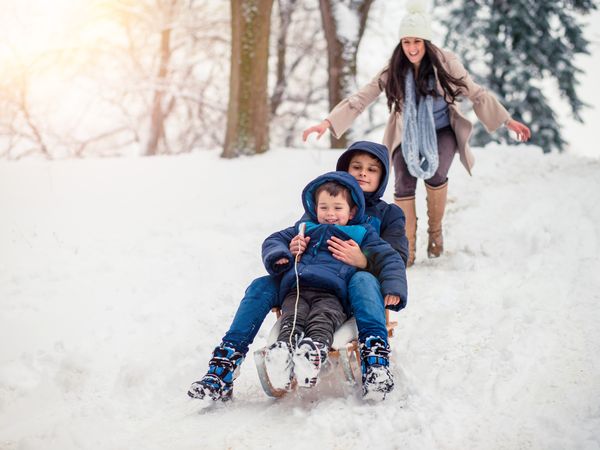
(400, 64)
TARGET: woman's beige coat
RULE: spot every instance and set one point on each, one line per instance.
(487, 108)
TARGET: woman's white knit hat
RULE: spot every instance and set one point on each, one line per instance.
(417, 21)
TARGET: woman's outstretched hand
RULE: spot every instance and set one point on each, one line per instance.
(348, 252)
(522, 131)
(319, 129)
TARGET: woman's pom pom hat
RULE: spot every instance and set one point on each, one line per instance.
(417, 21)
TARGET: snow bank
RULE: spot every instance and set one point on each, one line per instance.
(118, 277)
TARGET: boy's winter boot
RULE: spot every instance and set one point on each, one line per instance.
(436, 205)
(408, 205)
(309, 358)
(376, 377)
(279, 365)
(223, 368)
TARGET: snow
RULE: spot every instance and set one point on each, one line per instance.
(119, 276)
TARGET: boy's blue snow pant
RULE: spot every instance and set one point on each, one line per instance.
(367, 306)
(260, 297)
(263, 294)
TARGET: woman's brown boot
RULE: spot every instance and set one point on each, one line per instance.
(436, 204)
(410, 212)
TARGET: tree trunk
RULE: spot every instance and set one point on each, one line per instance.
(286, 8)
(342, 47)
(157, 124)
(248, 112)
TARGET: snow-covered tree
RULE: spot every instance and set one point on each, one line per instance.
(344, 23)
(126, 77)
(522, 50)
(170, 69)
(299, 93)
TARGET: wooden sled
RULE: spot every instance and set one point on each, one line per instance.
(344, 350)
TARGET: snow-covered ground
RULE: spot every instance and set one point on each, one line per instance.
(118, 276)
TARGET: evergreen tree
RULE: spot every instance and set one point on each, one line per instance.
(513, 48)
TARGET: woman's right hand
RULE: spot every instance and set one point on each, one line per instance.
(521, 130)
(319, 129)
(299, 244)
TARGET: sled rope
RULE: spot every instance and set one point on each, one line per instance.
(300, 233)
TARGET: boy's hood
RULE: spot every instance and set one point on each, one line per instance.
(380, 152)
(345, 179)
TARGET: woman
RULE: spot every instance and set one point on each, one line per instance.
(425, 128)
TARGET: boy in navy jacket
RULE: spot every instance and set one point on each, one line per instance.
(334, 206)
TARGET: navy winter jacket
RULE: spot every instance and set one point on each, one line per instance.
(317, 267)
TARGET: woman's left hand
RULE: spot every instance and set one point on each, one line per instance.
(391, 300)
(522, 131)
(348, 252)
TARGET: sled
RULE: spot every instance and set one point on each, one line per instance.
(344, 351)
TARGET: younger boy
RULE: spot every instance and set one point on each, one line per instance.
(316, 302)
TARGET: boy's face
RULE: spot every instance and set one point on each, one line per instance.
(366, 169)
(333, 210)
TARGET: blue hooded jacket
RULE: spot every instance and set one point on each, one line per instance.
(317, 267)
(388, 220)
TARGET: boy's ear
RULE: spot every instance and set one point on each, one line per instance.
(353, 211)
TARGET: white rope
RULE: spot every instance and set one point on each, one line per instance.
(301, 229)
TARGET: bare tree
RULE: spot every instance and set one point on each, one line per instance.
(343, 38)
(248, 114)
(157, 83)
(20, 121)
(285, 10)
(157, 117)
(299, 95)
(172, 67)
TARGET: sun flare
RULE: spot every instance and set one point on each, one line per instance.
(31, 27)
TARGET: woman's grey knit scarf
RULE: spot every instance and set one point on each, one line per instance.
(419, 138)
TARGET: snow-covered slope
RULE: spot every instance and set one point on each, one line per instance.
(118, 277)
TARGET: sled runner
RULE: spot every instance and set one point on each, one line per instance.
(344, 350)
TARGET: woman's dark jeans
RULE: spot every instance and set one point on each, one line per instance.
(406, 184)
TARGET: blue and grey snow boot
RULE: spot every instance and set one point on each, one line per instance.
(376, 377)
(223, 368)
